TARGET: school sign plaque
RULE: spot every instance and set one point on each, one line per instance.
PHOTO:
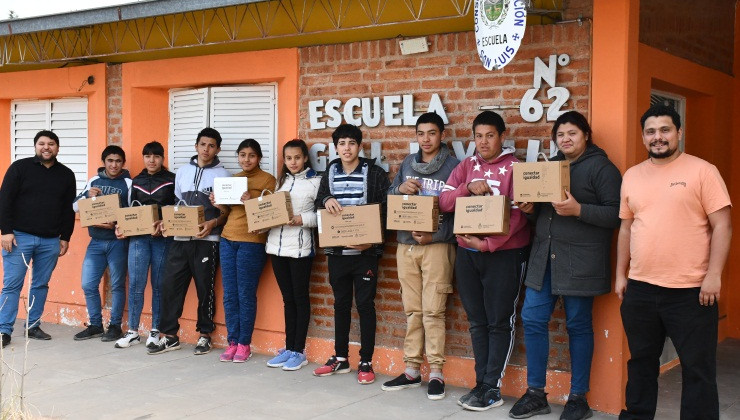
(499, 29)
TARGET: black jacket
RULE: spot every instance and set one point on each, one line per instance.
(37, 200)
(156, 189)
(579, 248)
(376, 185)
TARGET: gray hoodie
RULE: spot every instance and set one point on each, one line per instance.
(432, 176)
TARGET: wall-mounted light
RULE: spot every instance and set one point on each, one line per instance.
(89, 81)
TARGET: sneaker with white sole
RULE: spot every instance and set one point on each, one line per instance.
(203, 346)
(485, 398)
(166, 343)
(243, 353)
(128, 340)
(436, 389)
(280, 358)
(365, 373)
(401, 382)
(153, 339)
(228, 354)
(332, 367)
(297, 360)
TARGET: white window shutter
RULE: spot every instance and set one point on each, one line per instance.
(68, 118)
(188, 115)
(242, 112)
(26, 119)
(65, 117)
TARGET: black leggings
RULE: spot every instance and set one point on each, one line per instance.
(293, 276)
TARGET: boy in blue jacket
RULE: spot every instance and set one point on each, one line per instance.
(104, 250)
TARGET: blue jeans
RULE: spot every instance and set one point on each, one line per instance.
(241, 267)
(536, 313)
(145, 250)
(102, 253)
(44, 253)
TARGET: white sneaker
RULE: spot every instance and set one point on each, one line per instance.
(153, 339)
(128, 340)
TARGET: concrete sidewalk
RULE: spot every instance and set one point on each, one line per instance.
(93, 380)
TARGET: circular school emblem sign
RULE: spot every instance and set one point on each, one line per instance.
(499, 29)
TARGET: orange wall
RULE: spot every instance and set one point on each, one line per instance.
(614, 76)
(145, 112)
(65, 300)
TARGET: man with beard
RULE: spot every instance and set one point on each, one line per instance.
(675, 237)
(36, 219)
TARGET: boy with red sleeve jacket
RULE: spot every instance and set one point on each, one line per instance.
(489, 270)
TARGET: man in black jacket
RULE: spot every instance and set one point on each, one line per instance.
(351, 181)
(36, 219)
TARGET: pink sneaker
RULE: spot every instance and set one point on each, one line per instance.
(243, 353)
(228, 354)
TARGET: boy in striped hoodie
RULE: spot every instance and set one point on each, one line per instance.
(350, 181)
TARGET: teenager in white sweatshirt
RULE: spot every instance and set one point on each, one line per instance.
(292, 249)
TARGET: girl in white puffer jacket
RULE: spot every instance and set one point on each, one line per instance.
(292, 249)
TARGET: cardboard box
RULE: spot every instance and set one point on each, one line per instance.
(268, 211)
(180, 220)
(229, 190)
(413, 213)
(482, 215)
(541, 181)
(139, 220)
(355, 225)
(98, 210)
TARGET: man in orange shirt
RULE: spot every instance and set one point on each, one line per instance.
(675, 237)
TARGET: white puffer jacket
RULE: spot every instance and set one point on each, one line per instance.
(297, 241)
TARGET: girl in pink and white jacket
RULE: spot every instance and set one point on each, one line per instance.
(292, 247)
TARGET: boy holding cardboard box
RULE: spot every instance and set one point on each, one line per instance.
(350, 181)
(154, 186)
(105, 250)
(488, 269)
(425, 260)
(196, 256)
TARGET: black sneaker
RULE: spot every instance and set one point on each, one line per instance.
(38, 334)
(462, 400)
(6, 339)
(91, 331)
(532, 403)
(113, 334)
(166, 343)
(576, 408)
(486, 397)
(401, 382)
(436, 389)
(203, 346)
(332, 366)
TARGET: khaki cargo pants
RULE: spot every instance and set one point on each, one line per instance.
(425, 273)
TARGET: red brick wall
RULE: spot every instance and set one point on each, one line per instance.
(702, 32)
(451, 68)
(113, 93)
(574, 9)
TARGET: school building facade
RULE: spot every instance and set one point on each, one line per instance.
(279, 69)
